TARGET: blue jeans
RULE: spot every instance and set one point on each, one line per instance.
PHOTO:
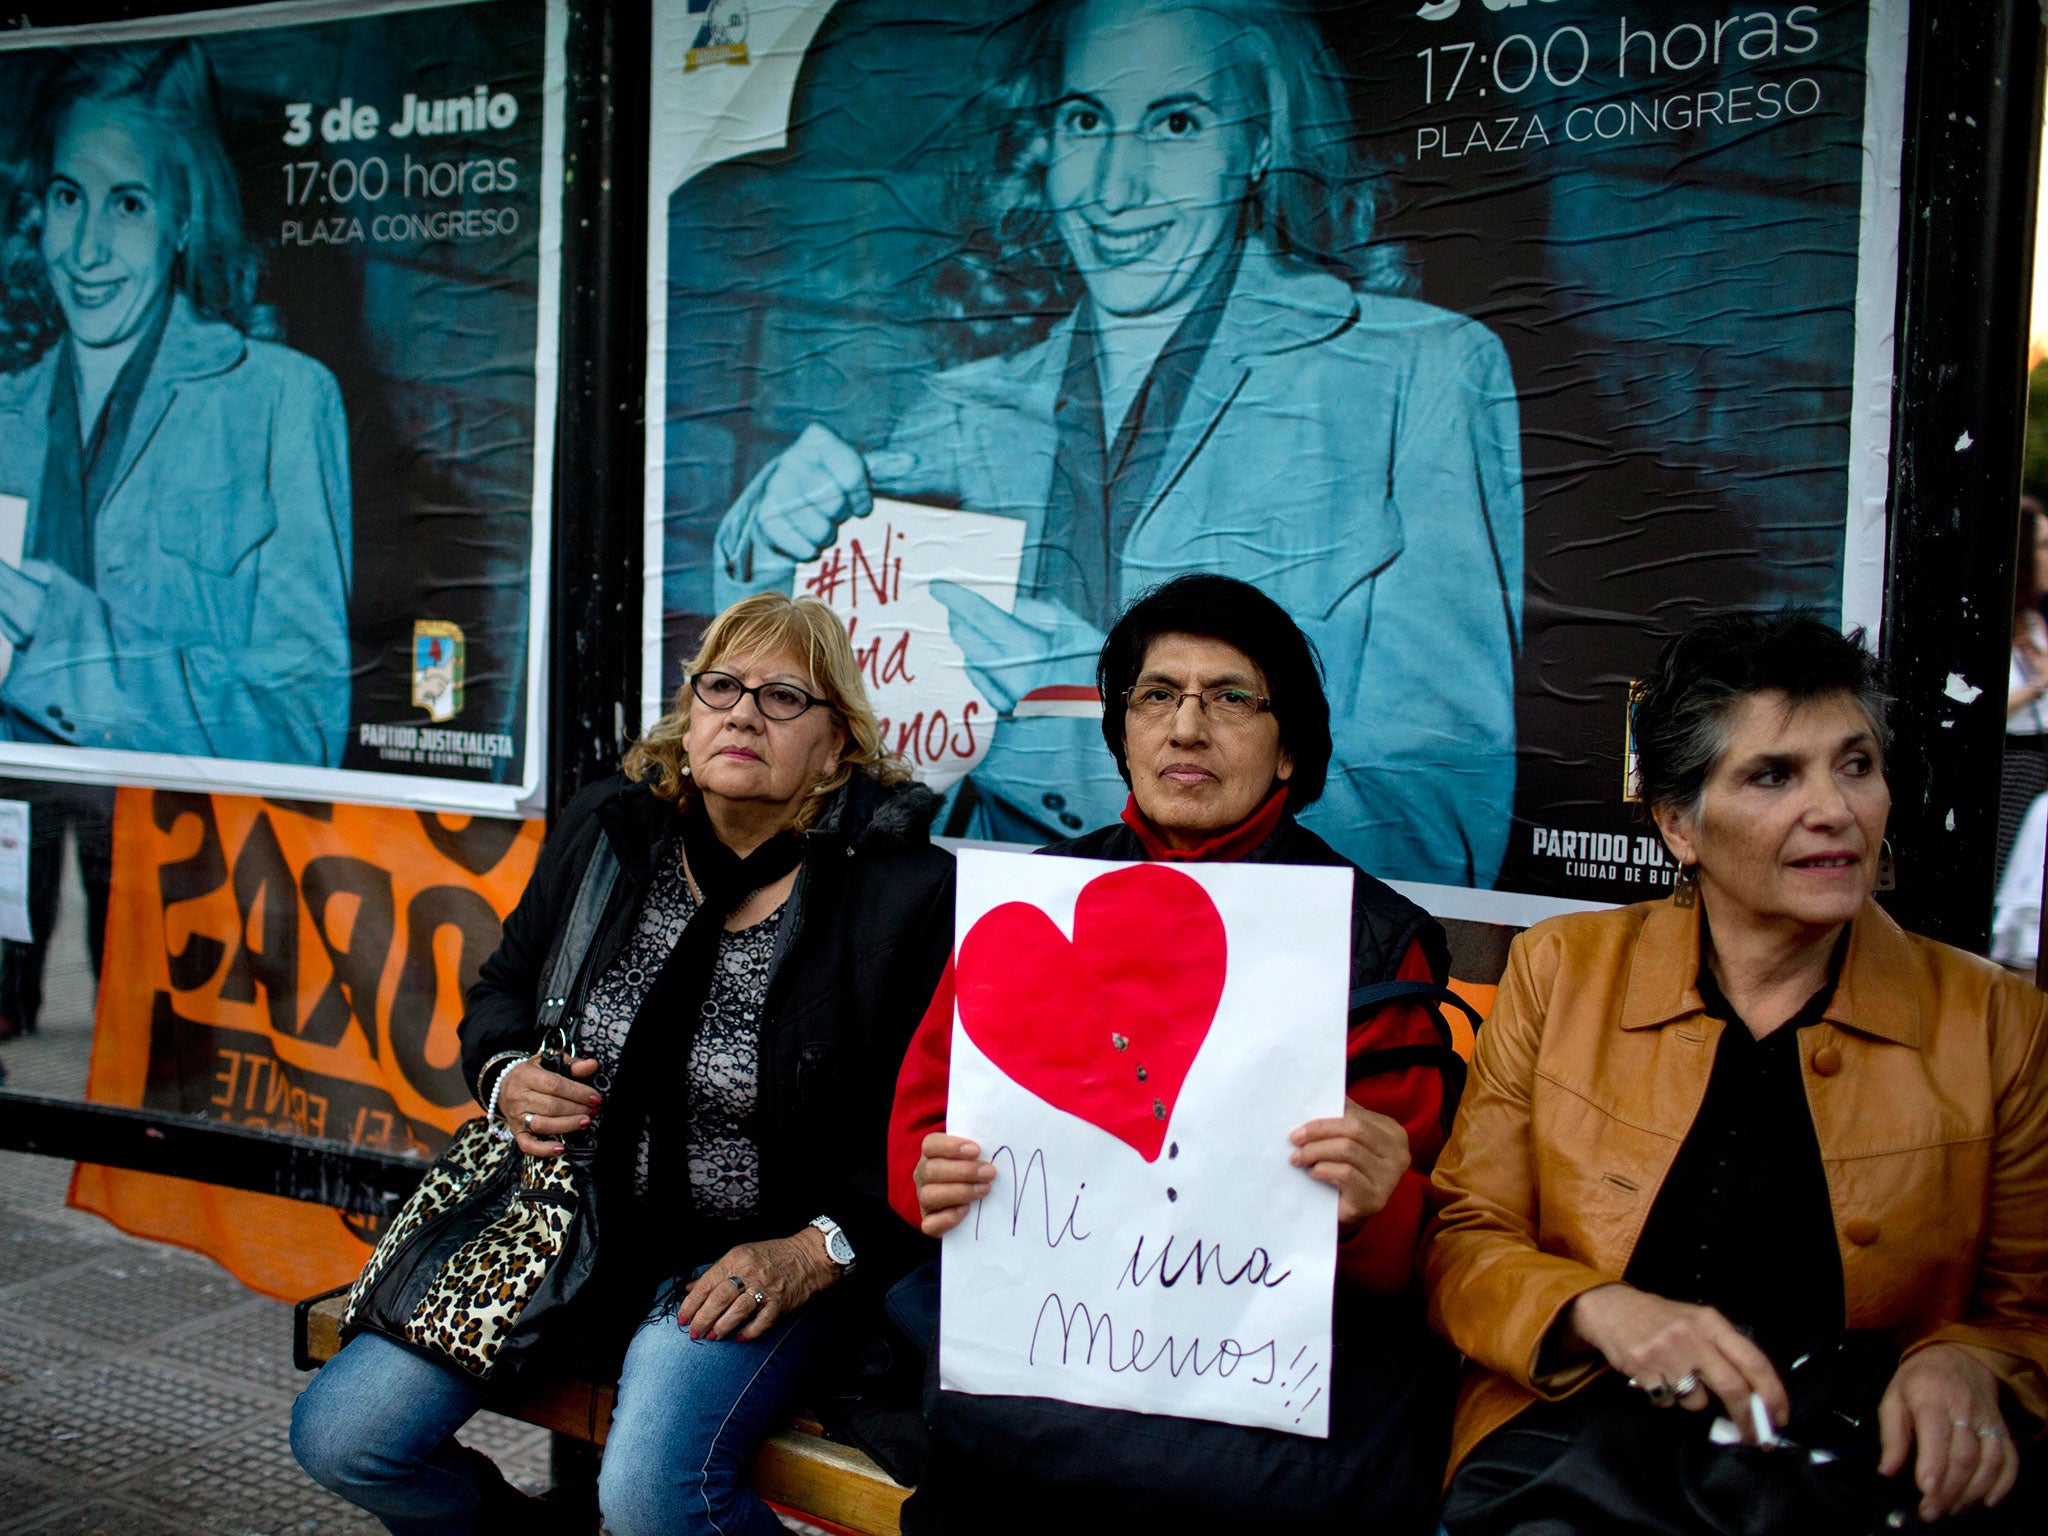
(377, 1426)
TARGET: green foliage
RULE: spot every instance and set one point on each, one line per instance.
(2034, 469)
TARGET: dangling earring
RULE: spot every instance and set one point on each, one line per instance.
(685, 769)
(1887, 870)
(1685, 891)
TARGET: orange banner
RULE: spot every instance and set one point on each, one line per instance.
(297, 966)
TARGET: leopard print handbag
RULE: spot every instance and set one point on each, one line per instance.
(487, 1254)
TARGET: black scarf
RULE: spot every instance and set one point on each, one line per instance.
(650, 1090)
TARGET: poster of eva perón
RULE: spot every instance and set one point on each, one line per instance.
(1496, 340)
(278, 296)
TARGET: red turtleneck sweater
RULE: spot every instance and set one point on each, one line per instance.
(1381, 1255)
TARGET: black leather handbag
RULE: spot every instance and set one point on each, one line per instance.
(488, 1254)
(1607, 1461)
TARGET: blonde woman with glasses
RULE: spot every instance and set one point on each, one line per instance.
(779, 921)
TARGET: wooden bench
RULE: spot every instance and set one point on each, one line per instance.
(799, 1472)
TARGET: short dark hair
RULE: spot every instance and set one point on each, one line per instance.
(1239, 614)
(1682, 710)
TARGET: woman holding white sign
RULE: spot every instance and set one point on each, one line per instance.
(1749, 1152)
(1220, 727)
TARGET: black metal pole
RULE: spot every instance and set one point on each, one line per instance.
(188, 1147)
(594, 596)
(1973, 133)
(593, 649)
(594, 609)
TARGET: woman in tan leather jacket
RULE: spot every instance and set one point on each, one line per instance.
(1706, 1136)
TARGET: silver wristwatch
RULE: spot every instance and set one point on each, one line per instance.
(838, 1246)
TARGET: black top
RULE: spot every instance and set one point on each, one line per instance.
(724, 1054)
(1743, 1223)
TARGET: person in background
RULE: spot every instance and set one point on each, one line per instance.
(183, 582)
(2016, 909)
(2025, 773)
(1719, 1146)
(87, 811)
(780, 920)
(1218, 723)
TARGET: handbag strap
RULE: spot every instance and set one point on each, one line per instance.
(572, 943)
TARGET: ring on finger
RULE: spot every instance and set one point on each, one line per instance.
(1989, 1432)
(737, 1283)
(1686, 1385)
(1658, 1392)
(527, 1120)
(760, 1300)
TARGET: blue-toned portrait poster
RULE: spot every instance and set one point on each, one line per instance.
(277, 332)
(1495, 339)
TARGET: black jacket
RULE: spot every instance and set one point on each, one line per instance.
(863, 941)
(1383, 921)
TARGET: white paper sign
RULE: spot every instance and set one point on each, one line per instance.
(878, 578)
(14, 845)
(13, 539)
(1132, 1046)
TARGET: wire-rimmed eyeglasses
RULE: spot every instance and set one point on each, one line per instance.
(1155, 701)
(778, 701)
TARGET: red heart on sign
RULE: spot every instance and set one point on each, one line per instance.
(1104, 1026)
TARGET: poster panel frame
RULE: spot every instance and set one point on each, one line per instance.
(426, 791)
(746, 111)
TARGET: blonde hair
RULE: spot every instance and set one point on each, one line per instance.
(765, 624)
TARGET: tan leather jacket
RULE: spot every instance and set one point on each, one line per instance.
(1929, 1092)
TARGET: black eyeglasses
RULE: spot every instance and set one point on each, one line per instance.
(778, 701)
(1155, 701)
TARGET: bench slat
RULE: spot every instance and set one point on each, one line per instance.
(836, 1483)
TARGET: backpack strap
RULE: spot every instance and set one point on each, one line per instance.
(1399, 1058)
(1373, 998)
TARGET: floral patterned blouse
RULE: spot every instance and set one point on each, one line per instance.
(725, 1059)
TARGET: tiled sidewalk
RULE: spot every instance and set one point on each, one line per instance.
(143, 1391)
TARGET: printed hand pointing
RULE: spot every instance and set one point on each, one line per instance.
(793, 510)
(1037, 644)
